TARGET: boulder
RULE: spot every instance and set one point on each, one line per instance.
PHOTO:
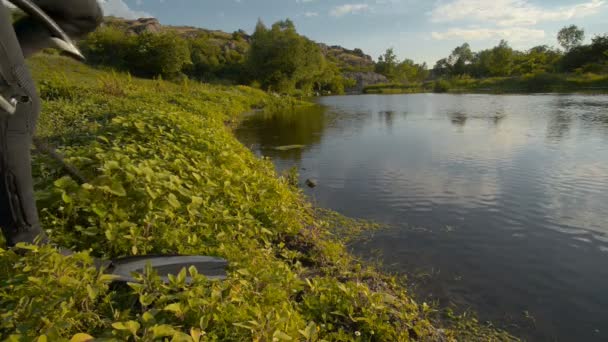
(364, 79)
(311, 183)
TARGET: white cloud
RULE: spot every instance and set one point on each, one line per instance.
(472, 34)
(510, 12)
(311, 14)
(119, 8)
(342, 10)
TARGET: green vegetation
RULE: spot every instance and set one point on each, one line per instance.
(530, 83)
(164, 174)
(283, 61)
(404, 72)
(276, 59)
(501, 69)
(570, 37)
(280, 60)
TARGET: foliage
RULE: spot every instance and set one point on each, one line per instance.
(108, 46)
(282, 61)
(581, 57)
(164, 54)
(165, 175)
(540, 82)
(458, 63)
(402, 72)
(396, 88)
(570, 37)
(210, 60)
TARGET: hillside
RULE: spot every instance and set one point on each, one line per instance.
(348, 60)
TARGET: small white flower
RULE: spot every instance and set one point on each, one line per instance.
(357, 333)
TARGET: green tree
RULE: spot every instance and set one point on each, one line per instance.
(387, 64)
(501, 60)
(460, 58)
(408, 71)
(570, 37)
(282, 60)
(108, 46)
(539, 59)
(165, 54)
(442, 67)
(206, 57)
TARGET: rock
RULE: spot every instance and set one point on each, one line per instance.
(149, 25)
(364, 79)
(311, 183)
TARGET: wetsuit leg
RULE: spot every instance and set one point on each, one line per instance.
(18, 214)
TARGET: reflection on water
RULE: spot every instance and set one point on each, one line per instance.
(501, 200)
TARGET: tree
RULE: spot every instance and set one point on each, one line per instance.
(387, 63)
(501, 60)
(408, 71)
(108, 46)
(460, 58)
(599, 47)
(538, 59)
(442, 67)
(163, 54)
(570, 37)
(282, 60)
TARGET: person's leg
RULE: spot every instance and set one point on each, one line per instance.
(18, 214)
(76, 17)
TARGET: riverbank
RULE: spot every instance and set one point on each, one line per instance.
(164, 174)
(537, 83)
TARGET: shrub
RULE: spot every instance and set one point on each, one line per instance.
(441, 86)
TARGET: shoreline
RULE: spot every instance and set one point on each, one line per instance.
(168, 176)
(530, 84)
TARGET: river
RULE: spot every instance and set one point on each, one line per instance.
(495, 203)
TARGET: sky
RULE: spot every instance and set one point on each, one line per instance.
(424, 31)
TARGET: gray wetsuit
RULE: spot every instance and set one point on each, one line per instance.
(18, 214)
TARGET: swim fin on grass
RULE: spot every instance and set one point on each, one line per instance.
(123, 269)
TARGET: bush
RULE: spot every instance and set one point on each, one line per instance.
(441, 86)
(163, 54)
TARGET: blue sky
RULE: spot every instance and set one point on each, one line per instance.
(420, 30)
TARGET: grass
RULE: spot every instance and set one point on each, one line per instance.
(531, 83)
(164, 174)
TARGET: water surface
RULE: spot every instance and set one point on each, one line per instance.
(496, 203)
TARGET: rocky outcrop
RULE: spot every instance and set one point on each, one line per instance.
(353, 59)
(151, 25)
(139, 26)
(364, 79)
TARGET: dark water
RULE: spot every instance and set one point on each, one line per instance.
(497, 203)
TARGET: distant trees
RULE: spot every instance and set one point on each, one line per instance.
(282, 60)
(211, 60)
(570, 37)
(278, 58)
(403, 72)
(588, 58)
(165, 53)
(502, 60)
(108, 46)
(147, 54)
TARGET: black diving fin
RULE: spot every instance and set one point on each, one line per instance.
(59, 38)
